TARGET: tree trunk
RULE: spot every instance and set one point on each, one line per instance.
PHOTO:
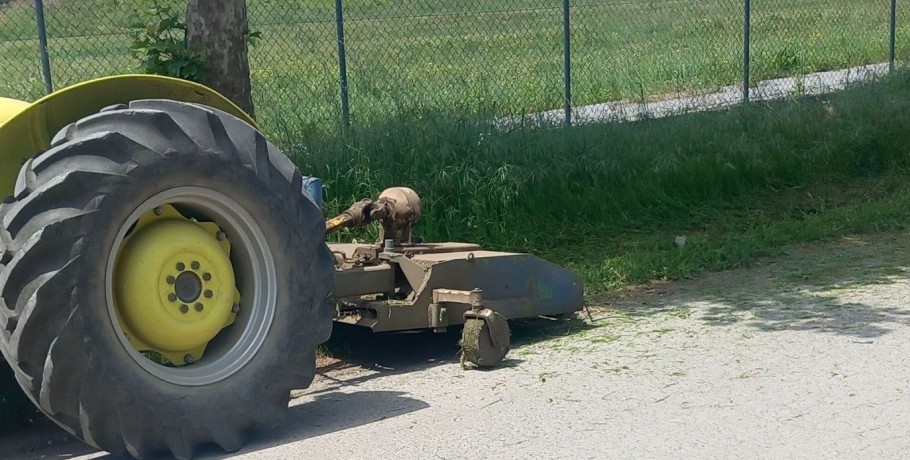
(221, 30)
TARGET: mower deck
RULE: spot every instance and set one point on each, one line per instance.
(430, 285)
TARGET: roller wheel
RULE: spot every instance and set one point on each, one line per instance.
(477, 345)
(163, 280)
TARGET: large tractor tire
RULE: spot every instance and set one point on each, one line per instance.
(163, 280)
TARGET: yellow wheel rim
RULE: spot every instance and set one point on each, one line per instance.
(174, 285)
(183, 225)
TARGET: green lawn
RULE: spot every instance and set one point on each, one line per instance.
(490, 58)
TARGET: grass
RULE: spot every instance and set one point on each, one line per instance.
(609, 200)
(486, 58)
(737, 240)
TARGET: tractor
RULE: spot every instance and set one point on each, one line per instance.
(165, 277)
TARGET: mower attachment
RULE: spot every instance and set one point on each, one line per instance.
(403, 285)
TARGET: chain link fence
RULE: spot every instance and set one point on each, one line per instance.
(322, 64)
(634, 59)
(821, 45)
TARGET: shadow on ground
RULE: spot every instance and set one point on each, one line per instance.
(835, 288)
(330, 412)
(327, 409)
(326, 413)
(41, 439)
(395, 353)
(386, 354)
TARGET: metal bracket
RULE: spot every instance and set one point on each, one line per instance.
(415, 274)
(439, 317)
(474, 298)
(439, 314)
(498, 324)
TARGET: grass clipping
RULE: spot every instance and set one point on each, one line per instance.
(476, 345)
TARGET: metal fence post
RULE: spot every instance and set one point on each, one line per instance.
(891, 44)
(342, 65)
(42, 42)
(567, 54)
(747, 48)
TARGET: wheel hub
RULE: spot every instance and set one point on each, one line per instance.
(174, 285)
(188, 287)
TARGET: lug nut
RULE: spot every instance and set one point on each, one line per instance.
(206, 276)
(157, 211)
(194, 265)
(172, 297)
(220, 236)
(181, 267)
(184, 309)
(171, 280)
(199, 307)
(208, 294)
(188, 359)
(236, 308)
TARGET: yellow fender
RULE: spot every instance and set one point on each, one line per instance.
(27, 129)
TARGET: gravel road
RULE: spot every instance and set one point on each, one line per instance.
(802, 356)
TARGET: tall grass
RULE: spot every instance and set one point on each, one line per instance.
(550, 188)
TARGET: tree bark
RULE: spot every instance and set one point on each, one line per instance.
(221, 30)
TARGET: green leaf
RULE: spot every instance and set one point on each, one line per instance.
(157, 34)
